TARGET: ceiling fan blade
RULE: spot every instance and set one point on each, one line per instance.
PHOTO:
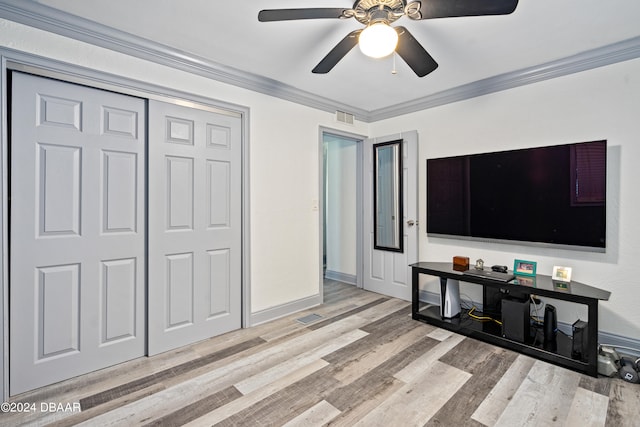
(337, 53)
(268, 15)
(430, 9)
(414, 54)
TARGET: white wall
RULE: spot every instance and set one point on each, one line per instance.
(599, 104)
(340, 205)
(283, 161)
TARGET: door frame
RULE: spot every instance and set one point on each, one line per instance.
(359, 139)
(12, 60)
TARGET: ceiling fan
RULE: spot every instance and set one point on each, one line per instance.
(376, 15)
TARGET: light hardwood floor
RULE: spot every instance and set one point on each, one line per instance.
(365, 362)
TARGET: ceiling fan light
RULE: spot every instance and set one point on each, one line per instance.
(378, 40)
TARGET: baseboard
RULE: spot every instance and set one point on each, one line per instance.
(341, 277)
(624, 344)
(429, 297)
(283, 310)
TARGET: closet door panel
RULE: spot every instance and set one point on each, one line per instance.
(77, 250)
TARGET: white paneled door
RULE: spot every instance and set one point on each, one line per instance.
(194, 225)
(122, 244)
(387, 272)
(77, 246)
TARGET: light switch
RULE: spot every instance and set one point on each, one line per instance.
(314, 205)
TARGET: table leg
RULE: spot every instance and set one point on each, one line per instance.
(592, 340)
(415, 293)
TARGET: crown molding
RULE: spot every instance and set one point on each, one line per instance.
(48, 19)
(611, 54)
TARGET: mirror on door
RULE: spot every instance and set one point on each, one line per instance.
(387, 196)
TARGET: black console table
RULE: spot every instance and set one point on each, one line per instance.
(542, 286)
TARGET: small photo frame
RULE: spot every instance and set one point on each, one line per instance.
(561, 274)
(524, 268)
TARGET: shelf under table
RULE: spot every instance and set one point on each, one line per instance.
(558, 352)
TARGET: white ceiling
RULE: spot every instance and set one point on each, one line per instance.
(468, 49)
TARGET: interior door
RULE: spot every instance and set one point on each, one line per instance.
(77, 246)
(194, 225)
(386, 266)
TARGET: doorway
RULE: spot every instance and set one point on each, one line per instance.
(341, 212)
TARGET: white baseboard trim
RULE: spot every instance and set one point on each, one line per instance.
(283, 310)
(341, 277)
(625, 344)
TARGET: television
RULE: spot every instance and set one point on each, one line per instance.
(552, 195)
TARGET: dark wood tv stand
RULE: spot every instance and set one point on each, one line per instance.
(542, 286)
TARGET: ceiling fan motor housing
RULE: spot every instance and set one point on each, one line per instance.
(371, 11)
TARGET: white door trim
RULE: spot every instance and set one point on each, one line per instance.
(15, 60)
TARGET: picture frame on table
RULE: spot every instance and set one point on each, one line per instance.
(524, 268)
(561, 274)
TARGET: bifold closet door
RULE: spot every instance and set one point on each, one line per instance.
(77, 246)
(194, 225)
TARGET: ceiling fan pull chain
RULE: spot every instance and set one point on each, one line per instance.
(394, 71)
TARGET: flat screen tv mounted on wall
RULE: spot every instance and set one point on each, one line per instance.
(546, 195)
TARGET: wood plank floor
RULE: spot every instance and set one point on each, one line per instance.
(364, 362)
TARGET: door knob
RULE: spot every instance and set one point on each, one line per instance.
(411, 223)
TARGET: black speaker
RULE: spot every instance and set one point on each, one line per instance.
(515, 319)
(550, 323)
(580, 342)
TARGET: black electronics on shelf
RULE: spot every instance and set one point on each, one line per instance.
(496, 295)
(516, 319)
